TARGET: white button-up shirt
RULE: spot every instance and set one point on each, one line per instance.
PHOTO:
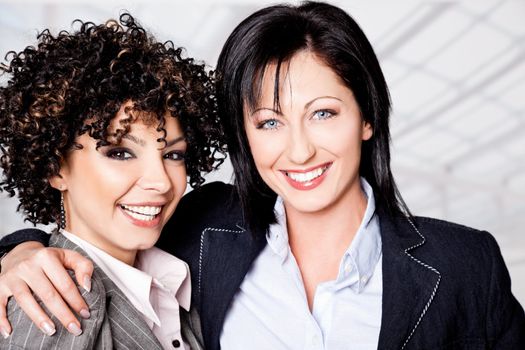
(270, 310)
(155, 286)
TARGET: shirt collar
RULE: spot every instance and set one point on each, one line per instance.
(278, 234)
(365, 250)
(153, 267)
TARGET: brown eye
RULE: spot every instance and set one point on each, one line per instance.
(120, 154)
(175, 155)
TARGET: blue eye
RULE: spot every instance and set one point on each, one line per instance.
(175, 155)
(268, 124)
(323, 114)
(119, 154)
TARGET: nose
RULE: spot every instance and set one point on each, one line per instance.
(155, 177)
(300, 147)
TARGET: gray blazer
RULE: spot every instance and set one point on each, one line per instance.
(114, 322)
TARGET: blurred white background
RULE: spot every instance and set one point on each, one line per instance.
(456, 71)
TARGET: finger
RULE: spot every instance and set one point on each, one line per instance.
(29, 305)
(66, 287)
(82, 267)
(5, 326)
(41, 286)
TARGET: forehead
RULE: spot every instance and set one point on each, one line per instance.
(305, 74)
(130, 121)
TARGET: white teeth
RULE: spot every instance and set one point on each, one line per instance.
(144, 213)
(140, 216)
(307, 177)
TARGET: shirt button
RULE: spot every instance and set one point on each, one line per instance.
(175, 343)
(364, 279)
(348, 268)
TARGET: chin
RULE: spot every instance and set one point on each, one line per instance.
(146, 242)
(309, 207)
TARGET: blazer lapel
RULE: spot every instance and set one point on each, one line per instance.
(409, 285)
(123, 327)
(226, 254)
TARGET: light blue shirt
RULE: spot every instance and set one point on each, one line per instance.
(270, 310)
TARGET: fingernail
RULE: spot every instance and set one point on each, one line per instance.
(85, 313)
(74, 329)
(48, 328)
(87, 283)
(5, 333)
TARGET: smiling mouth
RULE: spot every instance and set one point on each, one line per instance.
(142, 213)
(307, 176)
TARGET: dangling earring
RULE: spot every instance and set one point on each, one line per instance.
(62, 212)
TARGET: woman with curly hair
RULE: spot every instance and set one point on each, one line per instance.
(99, 130)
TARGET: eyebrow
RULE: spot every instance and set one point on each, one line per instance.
(143, 143)
(255, 111)
(134, 139)
(174, 141)
(306, 106)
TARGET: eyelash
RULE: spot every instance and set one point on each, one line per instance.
(125, 154)
(330, 113)
(263, 124)
(180, 156)
(118, 154)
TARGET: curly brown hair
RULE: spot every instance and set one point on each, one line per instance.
(75, 83)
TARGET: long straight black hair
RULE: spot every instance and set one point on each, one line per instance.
(273, 35)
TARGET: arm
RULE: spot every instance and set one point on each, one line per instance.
(10, 241)
(506, 319)
(30, 267)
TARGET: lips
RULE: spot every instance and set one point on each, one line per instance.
(142, 212)
(308, 178)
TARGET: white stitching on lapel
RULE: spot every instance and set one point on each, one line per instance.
(435, 287)
(201, 250)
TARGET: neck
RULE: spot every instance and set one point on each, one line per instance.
(318, 240)
(126, 256)
(334, 226)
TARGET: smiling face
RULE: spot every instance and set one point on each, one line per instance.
(119, 197)
(308, 152)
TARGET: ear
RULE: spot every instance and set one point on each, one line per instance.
(367, 131)
(59, 181)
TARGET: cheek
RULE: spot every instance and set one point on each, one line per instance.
(99, 180)
(341, 139)
(256, 145)
(178, 178)
(266, 147)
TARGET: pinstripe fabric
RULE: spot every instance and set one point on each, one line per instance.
(114, 322)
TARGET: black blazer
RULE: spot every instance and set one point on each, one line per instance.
(445, 286)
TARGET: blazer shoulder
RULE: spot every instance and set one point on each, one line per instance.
(26, 335)
(214, 195)
(443, 224)
(446, 231)
(473, 269)
(213, 204)
(458, 250)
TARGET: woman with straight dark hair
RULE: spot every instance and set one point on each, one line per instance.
(314, 248)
